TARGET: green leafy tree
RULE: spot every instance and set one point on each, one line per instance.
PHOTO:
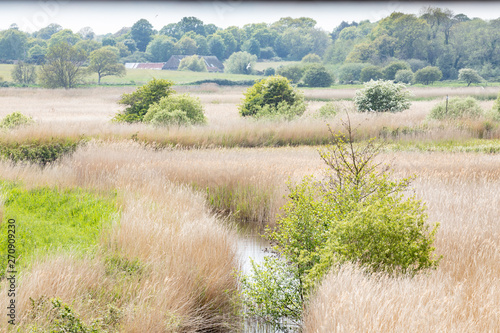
(404, 76)
(468, 75)
(161, 48)
(175, 110)
(187, 24)
(13, 44)
(382, 96)
(186, 46)
(193, 63)
(216, 46)
(272, 96)
(391, 69)
(88, 45)
(63, 66)
(293, 72)
(371, 73)
(350, 73)
(428, 75)
(141, 33)
(317, 76)
(48, 31)
(66, 36)
(240, 63)
(104, 62)
(251, 46)
(24, 73)
(139, 101)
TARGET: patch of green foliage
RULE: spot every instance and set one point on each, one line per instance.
(328, 110)
(457, 107)
(38, 152)
(316, 75)
(48, 219)
(176, 110)
(272, 96)
(382, 96)
(140, 100)
(14, 120)
(356, 214)
(495, 111)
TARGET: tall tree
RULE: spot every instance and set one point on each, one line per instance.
(187, 24)
(104, 62)
(48, 31)
(141, 33)
(13, 44)
(63, 66)
(161, 48)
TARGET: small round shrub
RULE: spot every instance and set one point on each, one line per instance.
(140, 100)
(192, 63)
(312, 58)
(371, 73)
(404, 76)
(272, 96)
(15, 119)
(328, 110)
(382, 96)
(458, 107)
(292, 72)
(317, 76)
(428, 75)
(269, 71)
(391, 69)
(176, 110)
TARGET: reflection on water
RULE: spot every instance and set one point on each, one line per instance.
(254, 246)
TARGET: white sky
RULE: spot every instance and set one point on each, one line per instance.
(104, 17)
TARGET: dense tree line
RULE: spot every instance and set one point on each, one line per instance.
(435, 38)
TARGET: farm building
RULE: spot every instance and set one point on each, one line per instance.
(145, 65)
(212, 62)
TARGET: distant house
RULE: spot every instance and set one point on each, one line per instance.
(145, 65)
(213, 64)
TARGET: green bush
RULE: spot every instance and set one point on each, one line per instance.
(24, 73)
(311, 58)
(317, 76)
(350, 73)
(428, 75)
(292, 72)
(272, 292)
(495, 111)
(358, 213)
(193, 63)
(240, 63)
(456, 107)
(269, 71)
(391, 69)
(15, 119)
(34, 151)
(382, 96)
(371, 73)
(404, 76)
(272, 96)
(140, 100)
(176, 110)
(327, 110)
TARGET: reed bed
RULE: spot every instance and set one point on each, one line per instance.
(462, 295)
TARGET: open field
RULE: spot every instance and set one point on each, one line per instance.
(166, 263)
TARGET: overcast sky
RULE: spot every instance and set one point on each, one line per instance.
(110, 16)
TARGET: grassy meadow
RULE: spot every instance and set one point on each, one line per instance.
(152, 216)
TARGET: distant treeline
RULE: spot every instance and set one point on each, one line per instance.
(437, 37)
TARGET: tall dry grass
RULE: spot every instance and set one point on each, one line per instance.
(86, 113)
(463, 294)
(187, 254)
